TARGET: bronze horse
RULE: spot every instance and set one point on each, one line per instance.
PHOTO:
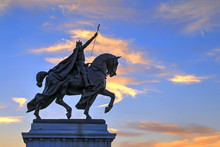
(103, 65)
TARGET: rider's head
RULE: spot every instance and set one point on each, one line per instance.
(78, 43)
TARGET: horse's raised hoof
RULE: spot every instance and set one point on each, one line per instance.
(107, 109)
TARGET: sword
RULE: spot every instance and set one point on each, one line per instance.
(95, 39)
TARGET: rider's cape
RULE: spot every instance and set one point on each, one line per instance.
(56, 78)
(65, 66)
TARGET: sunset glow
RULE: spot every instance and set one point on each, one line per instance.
(167, 86)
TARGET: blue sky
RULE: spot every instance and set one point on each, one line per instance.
(168, 82)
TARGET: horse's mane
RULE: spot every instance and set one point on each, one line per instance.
(99, 59)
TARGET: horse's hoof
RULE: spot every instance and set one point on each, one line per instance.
(88, 117)
(38, 117)
(107, 109)
(68, 115)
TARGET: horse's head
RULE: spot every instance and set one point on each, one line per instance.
(107, 63)
(112, 64)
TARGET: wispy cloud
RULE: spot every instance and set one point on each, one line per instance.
(199, 141)
(85, 23)
(194, 15)
(186, 79)
(72, 24)
(171, 128)
(124, 133)
(214, 53)
(94, 9)
(99, 9)
(3, 106)
(189, 135)
(46, 24)
(10, 119)
(67, 45)
(4, 4)
(20, 101)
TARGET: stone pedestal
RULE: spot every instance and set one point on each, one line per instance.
(68, 133)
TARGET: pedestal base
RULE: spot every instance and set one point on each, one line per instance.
(68, 133)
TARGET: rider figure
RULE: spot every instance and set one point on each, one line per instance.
(81, 59)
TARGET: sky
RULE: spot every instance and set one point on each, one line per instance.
(167, 85)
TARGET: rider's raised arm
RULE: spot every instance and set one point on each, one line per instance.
(89, 41)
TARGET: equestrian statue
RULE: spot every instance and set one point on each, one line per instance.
(73, 77)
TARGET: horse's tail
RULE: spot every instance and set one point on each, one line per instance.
(40, 77)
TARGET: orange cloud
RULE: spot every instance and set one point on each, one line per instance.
(20, 101)
(186, 79)
(90, 59)
(117, 47)
(9, 119)
(54, 60)
(170, 128)
(119, 87)
(204, 141)
(103, 44)
(68, 45)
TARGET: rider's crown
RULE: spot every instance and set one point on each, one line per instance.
(78, 43)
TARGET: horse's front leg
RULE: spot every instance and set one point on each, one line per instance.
(36, 112)
(86, 112)
(59, 100)
(110, 94)
(88, 105)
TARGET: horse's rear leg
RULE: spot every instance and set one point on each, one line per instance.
(60, 101)
(36, 112)
(110, 94)
(86, 112)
